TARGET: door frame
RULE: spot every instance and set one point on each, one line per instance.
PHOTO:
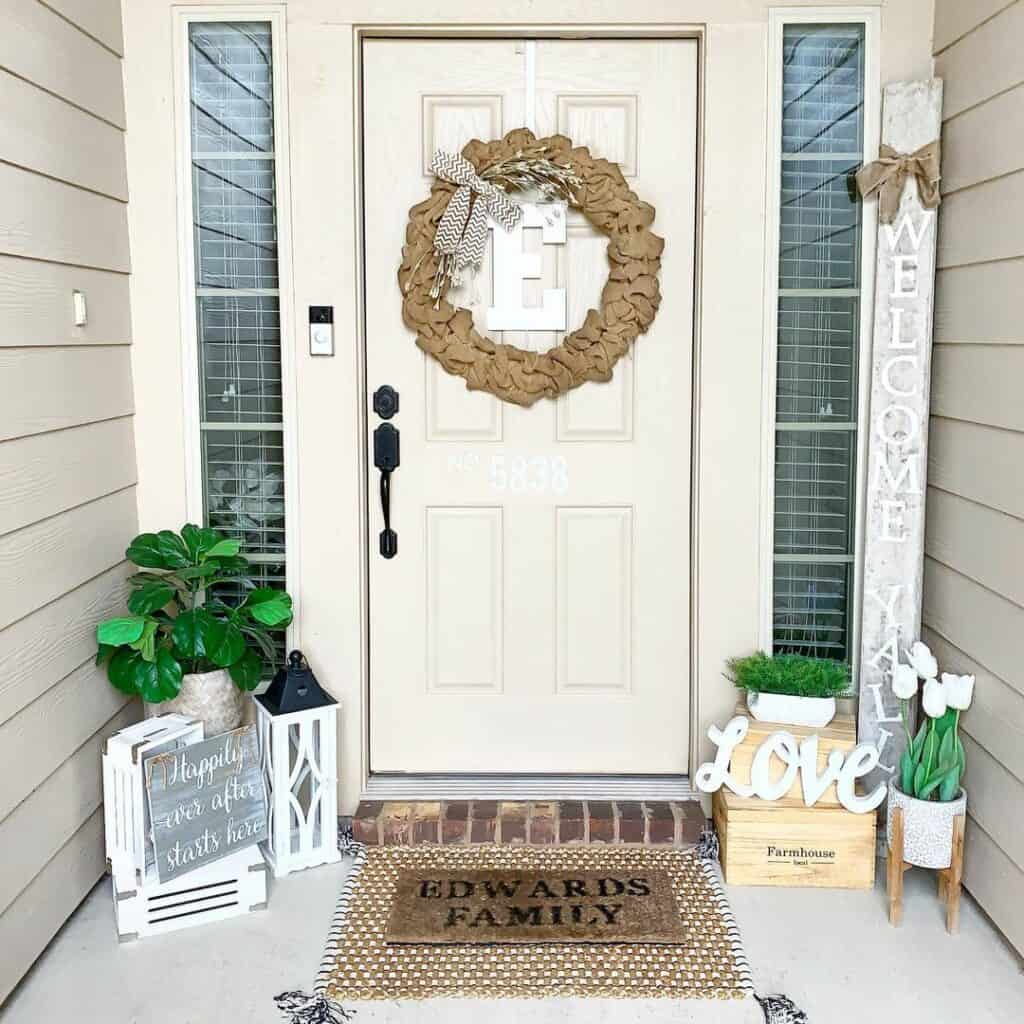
(382, 785)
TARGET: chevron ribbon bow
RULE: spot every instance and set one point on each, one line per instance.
(462, 232)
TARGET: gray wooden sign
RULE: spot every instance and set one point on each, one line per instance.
(898, 441)
(206, 801)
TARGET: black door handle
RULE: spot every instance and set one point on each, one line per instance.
(386, 459)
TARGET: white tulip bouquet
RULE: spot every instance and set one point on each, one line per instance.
(933, 763)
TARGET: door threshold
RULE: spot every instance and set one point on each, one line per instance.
(442, 786)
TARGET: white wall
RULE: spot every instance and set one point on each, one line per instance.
(67, 458)
(325, 271)
(974, 546)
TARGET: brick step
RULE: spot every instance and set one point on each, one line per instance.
(537, 822)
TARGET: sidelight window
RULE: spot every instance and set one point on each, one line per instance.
(819, 334)
(236, 290)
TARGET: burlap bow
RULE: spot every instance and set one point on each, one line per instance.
(462, 233)
(888, 174)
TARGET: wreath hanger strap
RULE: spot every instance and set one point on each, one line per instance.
(462, 232)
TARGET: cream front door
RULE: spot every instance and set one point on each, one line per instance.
(536, 617)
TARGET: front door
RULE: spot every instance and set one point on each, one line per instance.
(536, 617)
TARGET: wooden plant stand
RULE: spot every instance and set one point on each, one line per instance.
(950, 878)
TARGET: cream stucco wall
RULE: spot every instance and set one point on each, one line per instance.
(330, 588)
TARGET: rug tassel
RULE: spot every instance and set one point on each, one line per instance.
(302, 1008)
(780, 1010)
(707, 845)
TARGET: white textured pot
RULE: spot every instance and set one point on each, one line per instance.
(783, 709)
(927, 827)
(212, 697)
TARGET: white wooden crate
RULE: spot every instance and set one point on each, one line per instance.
(226, 888)
(125, 811)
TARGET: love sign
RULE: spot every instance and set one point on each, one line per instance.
(799, 758)
(206, 801)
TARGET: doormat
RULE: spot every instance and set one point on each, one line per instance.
(361, 964)
(496, 907)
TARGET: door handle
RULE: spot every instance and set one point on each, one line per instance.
(386, 459)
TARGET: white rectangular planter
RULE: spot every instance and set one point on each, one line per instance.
(227, 888)
(813, 712)
(125, 811)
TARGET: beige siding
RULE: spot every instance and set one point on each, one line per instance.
(67, 453)
(973, 605)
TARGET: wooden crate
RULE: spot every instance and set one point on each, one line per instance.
(767, 843)
(840, 734)
(228, 887)
(125, 810)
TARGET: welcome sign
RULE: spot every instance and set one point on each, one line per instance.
(900, 374)
(206, 801)
(450, 907)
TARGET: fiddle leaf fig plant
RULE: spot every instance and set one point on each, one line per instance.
(177, 624)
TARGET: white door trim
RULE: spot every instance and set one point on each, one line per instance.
(423, 786)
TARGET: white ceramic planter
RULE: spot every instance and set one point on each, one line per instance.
(212, 697)
(813, 712)
(927, 827)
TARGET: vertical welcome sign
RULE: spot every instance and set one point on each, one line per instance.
(898, 429)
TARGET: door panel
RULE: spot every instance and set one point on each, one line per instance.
(536, 617)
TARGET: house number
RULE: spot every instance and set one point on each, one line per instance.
(512, 266)
(535, 474)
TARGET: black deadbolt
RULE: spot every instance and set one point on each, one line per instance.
(385, 401)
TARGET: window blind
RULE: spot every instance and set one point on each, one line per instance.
(817, 338)
(238, 324)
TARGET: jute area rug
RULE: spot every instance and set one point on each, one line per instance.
(692, 953)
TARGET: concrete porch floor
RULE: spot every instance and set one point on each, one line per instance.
(831, 951)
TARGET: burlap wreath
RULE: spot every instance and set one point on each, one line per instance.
(629, 300)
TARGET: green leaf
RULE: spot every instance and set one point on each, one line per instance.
(907, 772)
(224, 643)
(198, 572)
(190, 631)
(124, 630)
(919, 780)
(949, 789)
(160, 680)
(226, 548)
(947, 749)
(944, 723)
(104, 652)
(150, 596)
(918, 745)
(271, 607)
(172, 548)
(145, 550)
(146, 644)
(124, 671)
(246, 672)
(931, 748)
(198, 539)
(262, 638)
(234, 565)
(936, 780)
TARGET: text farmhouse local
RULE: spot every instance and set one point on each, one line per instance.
(897, 449)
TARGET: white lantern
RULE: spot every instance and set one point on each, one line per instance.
(299, 747)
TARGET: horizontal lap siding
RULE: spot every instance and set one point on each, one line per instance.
(973, 602)
(67, 453)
